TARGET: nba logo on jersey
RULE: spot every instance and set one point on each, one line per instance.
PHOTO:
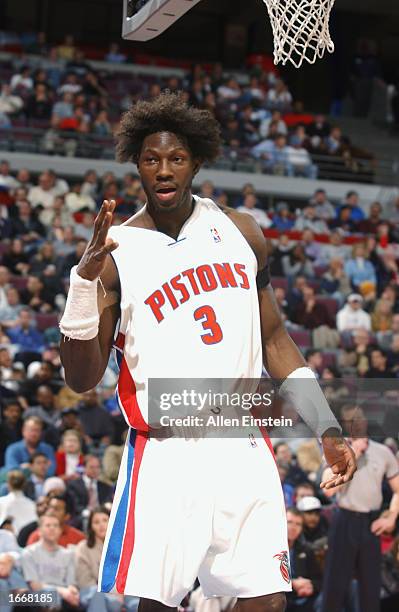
(252, 440)
(215, 235)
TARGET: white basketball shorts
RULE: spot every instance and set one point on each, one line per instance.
(208, 507)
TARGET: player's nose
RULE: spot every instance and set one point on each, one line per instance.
(164, 169)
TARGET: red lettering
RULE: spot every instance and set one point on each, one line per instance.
(190, 275)
(225, 275)
(180, 287)
(206, 278)
(155, 302)
(239, 268)
(170, 296)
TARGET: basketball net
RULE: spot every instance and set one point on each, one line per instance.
(300, 29)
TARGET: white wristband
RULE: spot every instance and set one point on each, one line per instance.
(303, 390)
(81, 319)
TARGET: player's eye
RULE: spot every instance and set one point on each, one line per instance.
(178, 158)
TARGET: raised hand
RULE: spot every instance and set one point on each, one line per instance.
(93, 260)
(341, 459)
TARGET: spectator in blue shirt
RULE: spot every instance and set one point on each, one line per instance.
(352, 200)
(18, 455)
(11, 580)
(25, 335)
(358, 269)
(288, 489)
(282, 221)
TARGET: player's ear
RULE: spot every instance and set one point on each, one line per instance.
(197, 163)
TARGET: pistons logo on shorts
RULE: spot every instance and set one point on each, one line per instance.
(284, 564)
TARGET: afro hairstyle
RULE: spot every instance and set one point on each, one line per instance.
(197, 129)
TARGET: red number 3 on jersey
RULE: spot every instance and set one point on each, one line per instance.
(207, 315)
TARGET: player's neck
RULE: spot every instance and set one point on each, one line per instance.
(170, 222)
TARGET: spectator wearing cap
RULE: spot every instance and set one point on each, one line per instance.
(250, 207)
(69, 457)
(88, 491)
(48, 566)
(315, 525)
(352, 317)
(357, 523)
(61, 507)
(15, 504)
(54, 486)
(324, 209)
(282, 220)
(18, 455)
(305, 571)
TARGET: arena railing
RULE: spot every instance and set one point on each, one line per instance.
(92, 146)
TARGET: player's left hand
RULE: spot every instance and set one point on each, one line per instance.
(384, 524)
(341, 459)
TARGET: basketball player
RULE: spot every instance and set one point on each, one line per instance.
(187, 289)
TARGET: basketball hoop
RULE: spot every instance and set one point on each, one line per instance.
(300, 29)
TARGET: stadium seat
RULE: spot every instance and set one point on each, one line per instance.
(44, 321)
(328, 359)
(19, 282)
(330, 303)
(281, 282)
(302, 338)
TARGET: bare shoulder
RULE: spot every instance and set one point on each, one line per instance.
(251, 232)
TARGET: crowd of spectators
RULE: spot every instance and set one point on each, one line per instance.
(264, 128)
(335, 272)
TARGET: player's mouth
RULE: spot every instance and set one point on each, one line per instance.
(165, 194)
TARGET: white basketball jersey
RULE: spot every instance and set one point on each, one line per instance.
(189, 307)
